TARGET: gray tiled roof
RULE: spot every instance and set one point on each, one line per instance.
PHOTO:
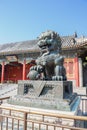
(19, 47)
(31, 46)
(67, 40)
(71, 42)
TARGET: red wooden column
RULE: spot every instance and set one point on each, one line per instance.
(77, 71)
(2, 74)
(24, 68)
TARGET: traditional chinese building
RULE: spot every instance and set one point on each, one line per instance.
(17, 58)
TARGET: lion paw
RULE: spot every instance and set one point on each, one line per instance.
(58, 78)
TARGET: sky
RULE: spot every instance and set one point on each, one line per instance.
(22, 20)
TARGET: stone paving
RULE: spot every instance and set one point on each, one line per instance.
(8, 90)
(80, 90)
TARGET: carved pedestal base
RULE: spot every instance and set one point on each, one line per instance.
(54, 95)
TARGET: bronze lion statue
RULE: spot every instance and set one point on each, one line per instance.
(49, 65)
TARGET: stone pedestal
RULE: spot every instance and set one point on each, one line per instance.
(53, 95)
(47, 89)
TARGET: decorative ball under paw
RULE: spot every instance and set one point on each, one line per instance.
(33, 75)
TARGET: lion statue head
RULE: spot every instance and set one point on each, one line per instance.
(49, 41)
